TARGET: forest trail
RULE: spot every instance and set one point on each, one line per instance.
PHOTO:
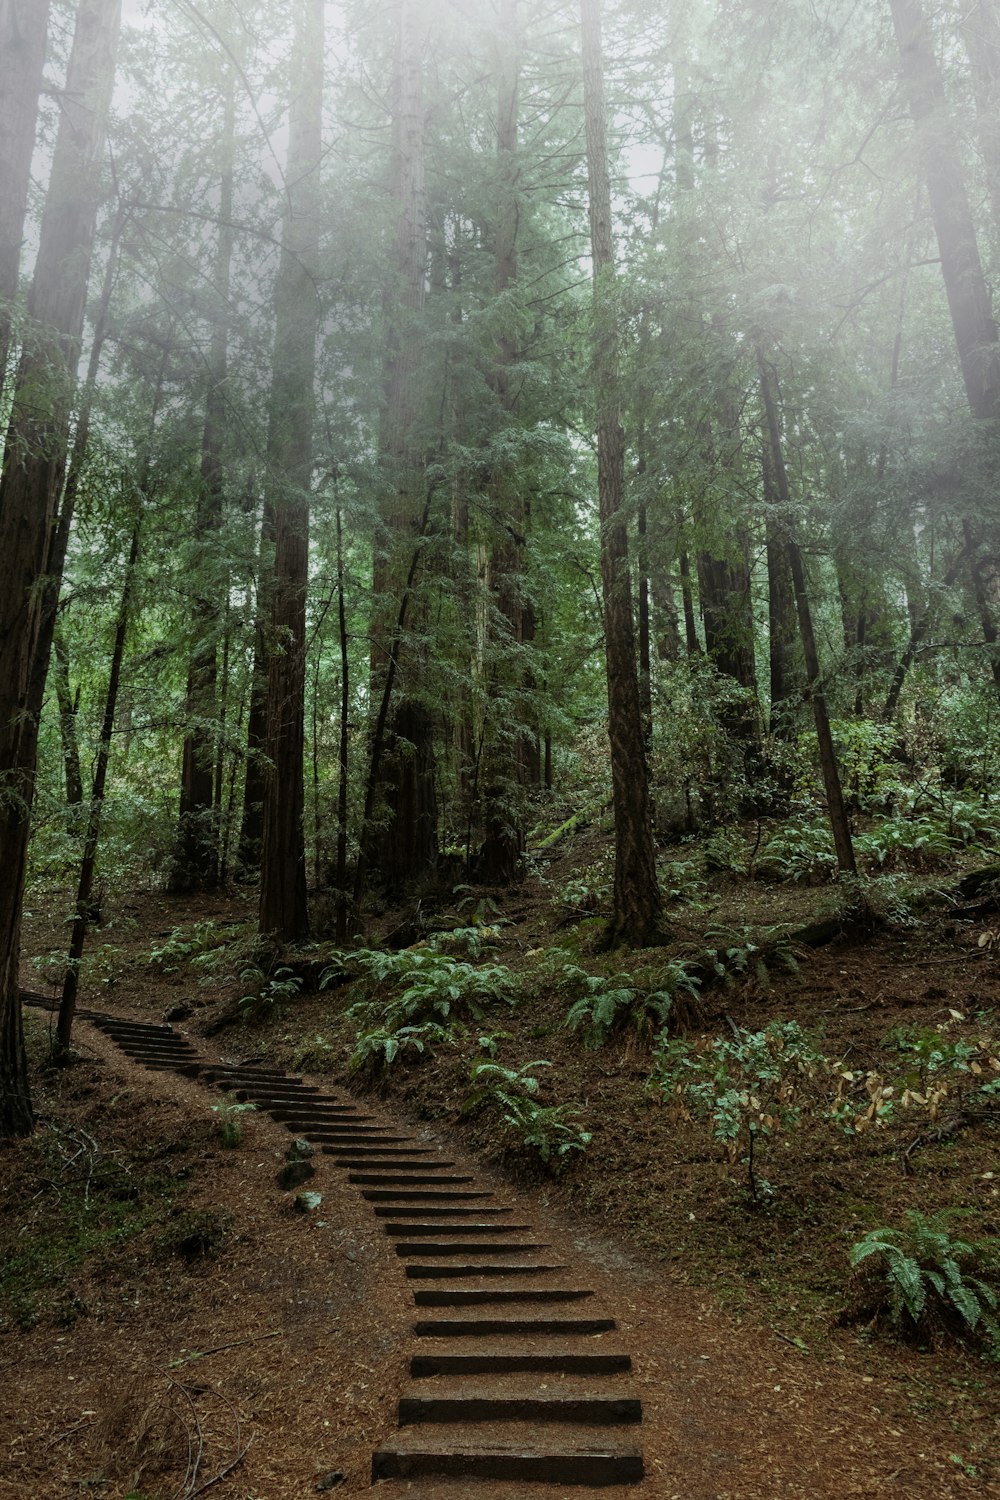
(515, 1380)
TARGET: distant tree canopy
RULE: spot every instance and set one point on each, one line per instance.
(489, 409)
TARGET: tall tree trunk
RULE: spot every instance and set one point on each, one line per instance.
(780, 608)
(340, 879)
(637, 905)
(67, 724)
(505, 755)
(92, 836)
(196, 858)
(283, 899)
(961, 267)
(836, 806)
(408, 845)
(34, 464)
(23, 32)
(965, 285)
(255, 783)
(980, 28)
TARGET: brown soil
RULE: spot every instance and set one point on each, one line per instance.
(753, 1386)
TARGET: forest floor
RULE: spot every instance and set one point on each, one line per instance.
(161, 1300)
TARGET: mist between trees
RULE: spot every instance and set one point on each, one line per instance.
(424, 421)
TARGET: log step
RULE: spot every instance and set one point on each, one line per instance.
(495, 1358)
(388, 1211)
(394, 1194)
(469, 1247)
(418, 1228)
(495, 1296)
(596, 1465)
(450, 1270)
(523, 1399)
(404, 1179)
(527, 1326)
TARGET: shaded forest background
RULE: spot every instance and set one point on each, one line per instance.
(426, 424)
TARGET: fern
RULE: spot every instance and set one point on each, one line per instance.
(923, 1277)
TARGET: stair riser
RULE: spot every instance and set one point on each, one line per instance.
(593, 1411)
(444, 1270)
(528, 1327)
(495, 1297)
(423, 1366)
(486, 1247)
(596, 1471)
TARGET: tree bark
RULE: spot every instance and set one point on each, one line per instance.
(23, 33)
(34, 465)
(836, 806)
(92, 836)
(505, 756)
(255, 783)
(780, 609)
(637, 905)
(283, 897)
(407, 845)
(67, 725)
(961, 267)
(196, 858)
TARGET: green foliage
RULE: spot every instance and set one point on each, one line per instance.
(86, 1202)
(438, 993)
(193, 943)
(590, 889)
(230, 1111)
(313, 1052)
(376, 1049)
(606, 1004)
(434, 983)
(733, 954)
(268, 993)
(748, 1087)
(549, 1131)
(802, 853)
(925, 1280)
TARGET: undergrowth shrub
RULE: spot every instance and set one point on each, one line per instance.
(925, 1283)
(749, 1087)
(610, 1003)
(551, 1132)
(435, 994)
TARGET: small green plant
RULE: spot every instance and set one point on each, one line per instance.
(267, 993)
(724, 852)
(925, 1281)
(230, 1112)
(377, 1049)
(733, 954)
(609, 1003)
(550, 1131)
(193, 943)
(313, 1052)
(749, 1087)
(801, 854)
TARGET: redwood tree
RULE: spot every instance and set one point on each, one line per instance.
(637, 904)
(34, 466)
(283, 899)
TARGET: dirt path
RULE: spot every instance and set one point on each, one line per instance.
(319, 1318)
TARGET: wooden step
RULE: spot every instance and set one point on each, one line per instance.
(496, 1296)
(469, 1247)
(405, 1179)
(388, 1211)
(445, 1269)
(525, 1457)
(414, 1195)
(498, 1356)
(522, 1399)
(417, 1228)
(531, 1324)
